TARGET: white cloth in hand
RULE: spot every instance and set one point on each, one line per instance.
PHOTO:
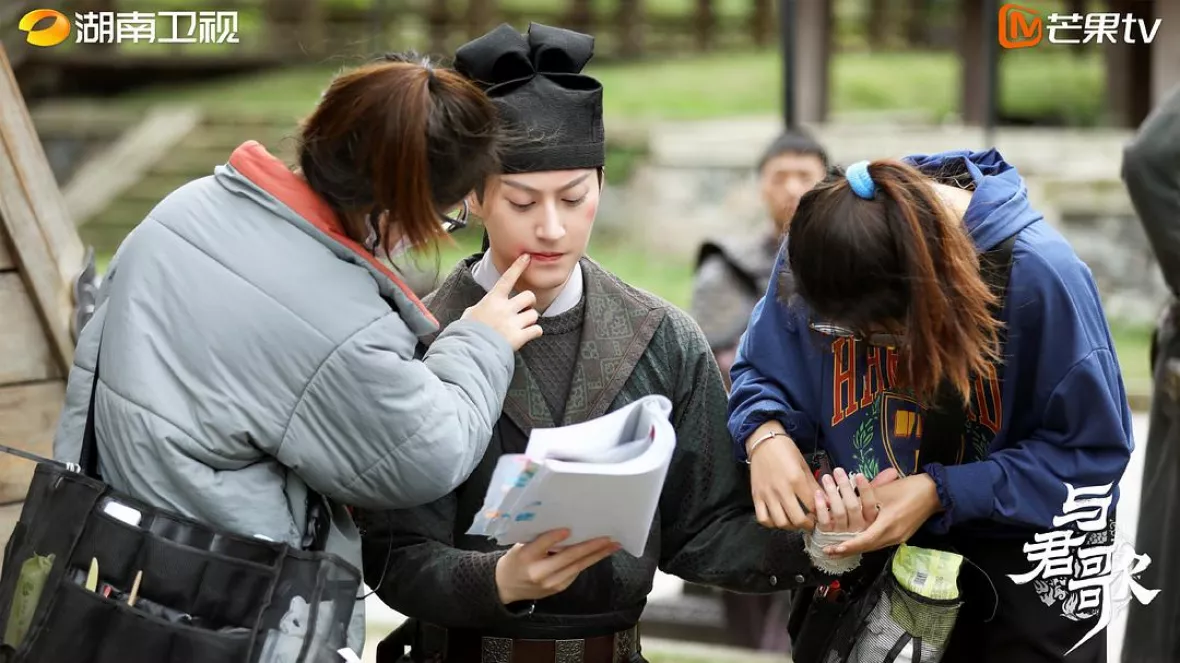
(816, 541)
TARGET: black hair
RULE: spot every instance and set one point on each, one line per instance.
(795, 141)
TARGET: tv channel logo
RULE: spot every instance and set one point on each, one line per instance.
(57, 31)
(1020, 27)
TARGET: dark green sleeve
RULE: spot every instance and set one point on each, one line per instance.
(412, 565)
(709, 534)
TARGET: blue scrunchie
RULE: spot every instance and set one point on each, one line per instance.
(860, 180)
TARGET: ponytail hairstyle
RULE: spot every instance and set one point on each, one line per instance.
(876, 250)
(402, 137)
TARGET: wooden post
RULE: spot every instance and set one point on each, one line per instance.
(294, 27)
(762, 22)
(917, 35)
(378, 28)
(1164, 50)
(36, 217)
(786, 30)
(480, 14)
(705, 21)
(312, 29)
(810, 44)
(974, 98)
(1129, 67)
(1079, 7)
(439, 20)
(581, 16)
(629, 27)
(877, 24)
(39, 255)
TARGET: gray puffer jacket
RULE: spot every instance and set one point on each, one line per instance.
(250, 350)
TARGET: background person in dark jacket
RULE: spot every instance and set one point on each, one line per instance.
(731, 276)
(1151, 170)
(733, 271)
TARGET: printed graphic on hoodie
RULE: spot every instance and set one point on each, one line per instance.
(884, 422)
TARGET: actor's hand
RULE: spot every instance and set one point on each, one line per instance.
(849, 504)
(782, 484)
(905, 506)
(531, 571)
(515, 319)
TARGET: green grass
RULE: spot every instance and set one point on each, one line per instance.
(1133, 344)
(1054, 83)
(1038, 82)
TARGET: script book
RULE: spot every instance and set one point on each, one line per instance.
(601, 477)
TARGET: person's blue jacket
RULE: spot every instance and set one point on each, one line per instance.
(1057, 416)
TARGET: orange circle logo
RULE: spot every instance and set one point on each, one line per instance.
(1020, 27)
(56, 33)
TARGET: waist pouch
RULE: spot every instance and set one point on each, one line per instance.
(913, 608)
(93, 576)
(907, 613)
(817, 615)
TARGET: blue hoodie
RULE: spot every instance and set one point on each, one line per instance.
(1057, 415)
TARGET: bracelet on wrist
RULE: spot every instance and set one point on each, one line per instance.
(757, 443)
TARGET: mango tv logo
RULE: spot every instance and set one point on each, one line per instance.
(52, 34)
(1020, 27)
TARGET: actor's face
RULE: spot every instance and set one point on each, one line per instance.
(548, 215)
(785, 179)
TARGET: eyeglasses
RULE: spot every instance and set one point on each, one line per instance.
(876, 339)
(451, 221)
(456, 219)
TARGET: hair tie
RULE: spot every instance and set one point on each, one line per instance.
(860, 180)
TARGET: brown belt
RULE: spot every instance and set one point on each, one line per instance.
(464, 647)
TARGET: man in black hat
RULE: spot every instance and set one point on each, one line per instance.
(605, 344)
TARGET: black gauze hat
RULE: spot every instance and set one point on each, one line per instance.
(537, 83)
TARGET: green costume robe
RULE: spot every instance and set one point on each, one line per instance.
(632, 344)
